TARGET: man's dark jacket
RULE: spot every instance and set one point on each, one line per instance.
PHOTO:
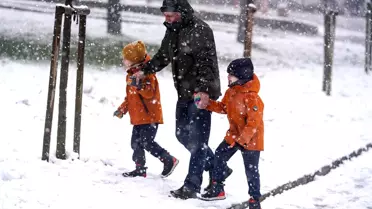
(190, 47)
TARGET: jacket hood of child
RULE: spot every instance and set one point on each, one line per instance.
(253, 85)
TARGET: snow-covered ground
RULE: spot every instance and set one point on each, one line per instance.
(347, 187)
(304, 129)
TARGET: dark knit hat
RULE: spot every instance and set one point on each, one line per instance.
(241, 68)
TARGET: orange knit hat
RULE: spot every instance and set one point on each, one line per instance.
(135, 52)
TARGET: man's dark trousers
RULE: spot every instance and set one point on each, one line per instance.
(193, 127)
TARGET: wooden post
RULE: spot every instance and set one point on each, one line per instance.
(61, 129)
(242, 25)
(68, 11)
(52, 83)
(329, 39)
(326, 49)
(113, 17)
(79, 84)
(368, 42)
(249, 32)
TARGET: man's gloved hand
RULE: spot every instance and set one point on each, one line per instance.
(118, 114)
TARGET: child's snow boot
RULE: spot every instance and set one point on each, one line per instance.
(226, 174)
(216, 192)
(170, 163)
(139, 171)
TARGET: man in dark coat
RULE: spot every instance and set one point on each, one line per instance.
(189, 46)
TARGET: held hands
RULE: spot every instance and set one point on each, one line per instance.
(138, 76)
(196, 99)
(118, 114)
(201, 100)
(135, 82)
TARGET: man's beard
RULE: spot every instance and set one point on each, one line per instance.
(175, 26)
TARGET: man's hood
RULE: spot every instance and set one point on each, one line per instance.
(182, 6)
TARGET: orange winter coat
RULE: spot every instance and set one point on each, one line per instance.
(143, 105)
(244, 109)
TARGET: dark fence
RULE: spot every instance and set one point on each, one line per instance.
(271, 23)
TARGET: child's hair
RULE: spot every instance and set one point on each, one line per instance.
(135, 52)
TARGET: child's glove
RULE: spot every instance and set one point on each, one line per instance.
(134, 82)
(201, 100)
(196, 99)
(118, 114)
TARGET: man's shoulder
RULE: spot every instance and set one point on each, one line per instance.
(200, 24)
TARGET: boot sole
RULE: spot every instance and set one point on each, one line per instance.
(174, 195)
(129, 176)
(212, 199)
(171, 171)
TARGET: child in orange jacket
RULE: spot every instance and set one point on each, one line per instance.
(142, 101)
(244, 109)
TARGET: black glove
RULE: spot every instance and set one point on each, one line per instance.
(118, 114)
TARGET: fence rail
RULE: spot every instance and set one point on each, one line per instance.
(285, 24)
